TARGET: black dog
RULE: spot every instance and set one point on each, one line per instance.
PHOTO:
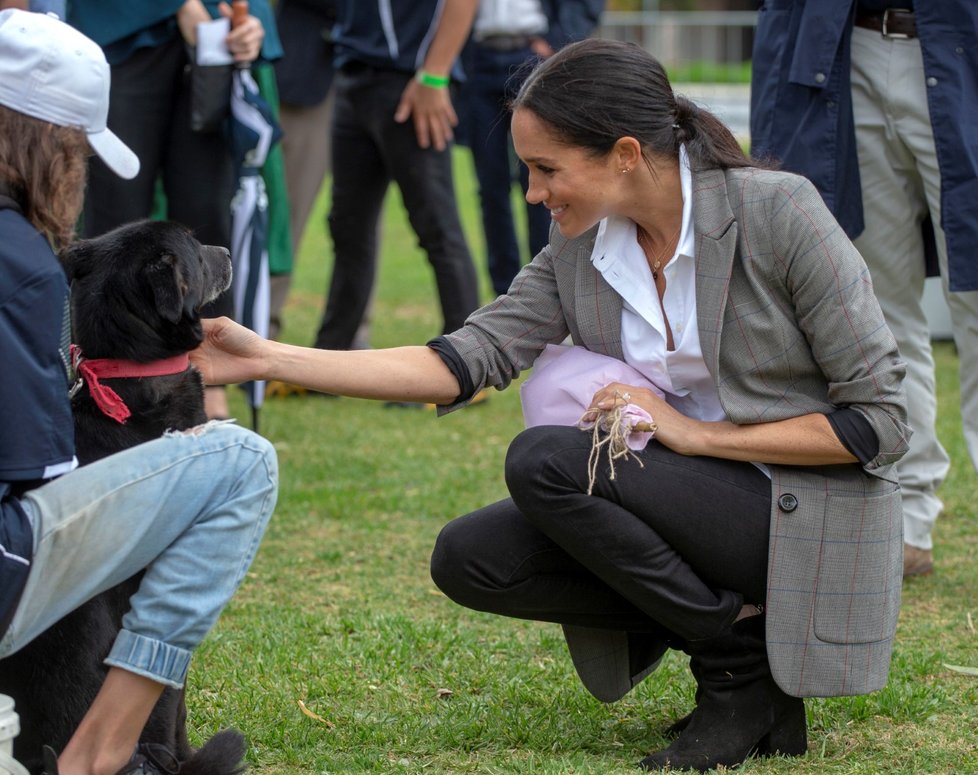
(136, 294)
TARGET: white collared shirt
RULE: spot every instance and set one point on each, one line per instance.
(681, 372)
(509, 17)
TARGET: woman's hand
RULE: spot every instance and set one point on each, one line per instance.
(245, 39)
(806, 440)
(674, 429)
(229, 354)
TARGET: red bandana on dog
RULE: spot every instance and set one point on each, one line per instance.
(110, 368)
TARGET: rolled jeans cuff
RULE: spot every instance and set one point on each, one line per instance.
(151, 658)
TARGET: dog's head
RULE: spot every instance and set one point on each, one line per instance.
(136, 292)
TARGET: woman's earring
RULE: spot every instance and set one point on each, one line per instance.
(625, 170)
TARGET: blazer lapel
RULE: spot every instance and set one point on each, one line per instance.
(716, 246)
(598, 305)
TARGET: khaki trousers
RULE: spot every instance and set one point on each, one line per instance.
(901, 184)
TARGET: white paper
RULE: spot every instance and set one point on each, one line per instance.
(211, 48)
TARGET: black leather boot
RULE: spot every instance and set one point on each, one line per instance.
(740, 709)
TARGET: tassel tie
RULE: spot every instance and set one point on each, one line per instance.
(623, 430)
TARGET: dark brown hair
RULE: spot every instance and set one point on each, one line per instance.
(594, 92)
(42, 167)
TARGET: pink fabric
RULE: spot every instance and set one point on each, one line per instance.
(565, 379)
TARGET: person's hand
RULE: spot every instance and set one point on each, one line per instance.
(245, 39)
(674, 429)
(229, 354)
(433, 114)
(541, 47)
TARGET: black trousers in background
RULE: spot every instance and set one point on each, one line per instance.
(369, 150)
(680, 544)
(149, 109)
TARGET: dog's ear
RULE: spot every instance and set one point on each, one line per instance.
(169, 287)
(77, 259)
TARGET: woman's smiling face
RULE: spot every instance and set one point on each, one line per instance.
(576, 187)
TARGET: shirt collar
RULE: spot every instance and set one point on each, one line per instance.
(614, 230)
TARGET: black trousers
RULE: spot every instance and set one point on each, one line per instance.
(369, 150)
(149, 109)
(680, 543)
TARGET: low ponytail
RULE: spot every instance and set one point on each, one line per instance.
(596, 91)
(709, 143)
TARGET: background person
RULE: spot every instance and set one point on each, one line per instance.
(734, 290)
(189, 508)
(507, 36)
(304, 75)
(878, 107)
(393, 121)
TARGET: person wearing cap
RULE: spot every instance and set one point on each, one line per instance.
(150, 46)
(68, 533)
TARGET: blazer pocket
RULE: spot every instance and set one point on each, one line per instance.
(860, 572)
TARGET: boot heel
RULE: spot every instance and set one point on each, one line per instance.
(789, 735)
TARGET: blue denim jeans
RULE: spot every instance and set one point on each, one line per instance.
(190, 508)
(494, 77)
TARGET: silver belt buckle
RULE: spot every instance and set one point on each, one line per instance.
(886, 18)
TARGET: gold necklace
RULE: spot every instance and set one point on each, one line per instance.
(646, 245)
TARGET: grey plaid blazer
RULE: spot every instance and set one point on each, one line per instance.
(789, 325)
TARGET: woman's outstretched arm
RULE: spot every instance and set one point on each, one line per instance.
(231, 353)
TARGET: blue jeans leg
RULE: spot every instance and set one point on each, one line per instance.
(493, 79)
(190, 508)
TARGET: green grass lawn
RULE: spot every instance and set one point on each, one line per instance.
(339, 613)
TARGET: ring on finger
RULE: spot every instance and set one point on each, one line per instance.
(626, 397)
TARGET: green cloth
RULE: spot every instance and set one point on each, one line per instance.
(279, 238)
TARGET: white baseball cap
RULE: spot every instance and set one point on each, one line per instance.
(51, 71)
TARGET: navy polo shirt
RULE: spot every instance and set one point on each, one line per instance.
(387, 34)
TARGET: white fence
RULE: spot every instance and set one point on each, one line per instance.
(681, 37)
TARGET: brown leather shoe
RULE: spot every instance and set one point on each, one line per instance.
(917, 562)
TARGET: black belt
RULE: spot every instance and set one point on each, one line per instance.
(506, 42)
(892, 23)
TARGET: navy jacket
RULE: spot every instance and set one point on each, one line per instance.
(36, 432)
(801, 109)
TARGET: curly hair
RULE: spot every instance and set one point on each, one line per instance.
(42, 167)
